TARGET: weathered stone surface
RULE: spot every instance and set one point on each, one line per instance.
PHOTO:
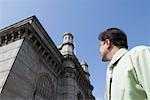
(8, 55)
(32, 68)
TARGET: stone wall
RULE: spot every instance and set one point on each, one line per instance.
(25, 72)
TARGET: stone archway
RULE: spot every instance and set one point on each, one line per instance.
(44, 88)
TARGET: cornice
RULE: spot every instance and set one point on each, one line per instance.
(44, 46)
(11, 35)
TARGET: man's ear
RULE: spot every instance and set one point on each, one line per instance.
(108, 43)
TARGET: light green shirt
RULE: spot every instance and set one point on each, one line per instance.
(131, 74)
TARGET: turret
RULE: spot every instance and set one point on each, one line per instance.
(67, 46)
(85, 68)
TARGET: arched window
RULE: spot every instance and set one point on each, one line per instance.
(44, 89)
(79, 96)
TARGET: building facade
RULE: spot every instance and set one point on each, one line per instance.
(32, 67)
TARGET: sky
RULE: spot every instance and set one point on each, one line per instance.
(85, 19)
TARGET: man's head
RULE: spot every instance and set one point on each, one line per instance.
(111, 40)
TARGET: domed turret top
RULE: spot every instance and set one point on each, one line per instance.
(67, 38)
(84, 66)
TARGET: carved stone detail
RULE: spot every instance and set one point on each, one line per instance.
(24, 32)
(80, 74)
(44, 88)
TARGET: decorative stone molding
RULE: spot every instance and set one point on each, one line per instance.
(80, 74)
(28, 33)
(44, 52)
(11, 36)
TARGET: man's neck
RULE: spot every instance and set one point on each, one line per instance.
(113, 52)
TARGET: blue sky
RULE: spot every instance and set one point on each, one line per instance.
(85, 19)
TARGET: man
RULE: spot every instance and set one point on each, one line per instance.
(128, 73)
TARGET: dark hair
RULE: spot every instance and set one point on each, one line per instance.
(116, 36)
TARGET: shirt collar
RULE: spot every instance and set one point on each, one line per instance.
(117, 56)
